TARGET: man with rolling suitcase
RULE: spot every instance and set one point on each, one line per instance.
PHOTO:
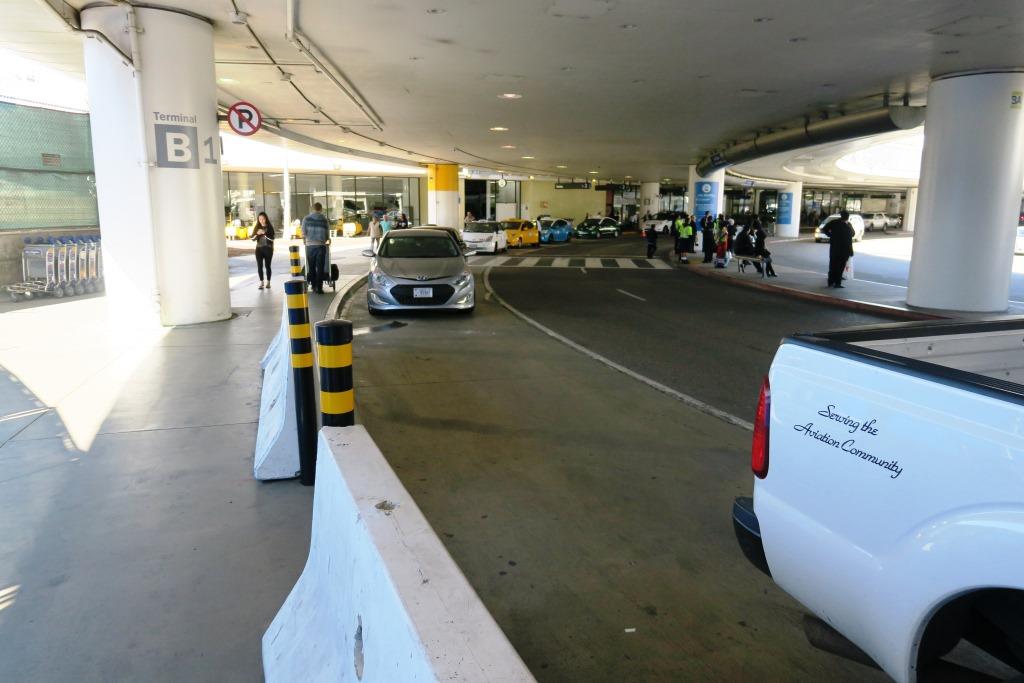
(316, 234)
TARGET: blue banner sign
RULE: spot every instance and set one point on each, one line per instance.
(785, 208)
(706, 199)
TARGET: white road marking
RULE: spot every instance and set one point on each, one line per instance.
(678, 395)
(593, 263)
(560, 262)
(583, 270)
(529, 261)
(626, 263)
(638, 298)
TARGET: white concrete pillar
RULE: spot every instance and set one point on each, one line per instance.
(708, 192)
(787, 223)
(969, 193)
(443, 194)
(910, 210)
(158, 173)
(649, 194)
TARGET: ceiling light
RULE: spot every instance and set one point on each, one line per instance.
(797, 39)
(508, 146)
(666, 180)
(628, 176)
(561, 166)
(568, 68)
(763, 20)
(238, 17)
(252, 47)
(531, 177)
(629, 27)
(415, 59)
(951, 52)
(593, 172)
(527, 157)
(637, 81)
(436, 10)
(225, 79)
(510, 96)
(499, 129)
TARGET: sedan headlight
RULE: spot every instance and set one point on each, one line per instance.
(464, 279)
(379, 279)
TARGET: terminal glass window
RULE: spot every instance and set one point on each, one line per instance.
(370, 190)
(308, 188)
(273, 195)
(244, 197)
(396, 195)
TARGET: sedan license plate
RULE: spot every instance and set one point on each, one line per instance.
(422, 292)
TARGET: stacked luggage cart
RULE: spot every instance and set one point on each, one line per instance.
(59, 267)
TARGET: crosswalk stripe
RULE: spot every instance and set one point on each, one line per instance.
(560, 262)
(625, 263)
(594, 263)
(616, 262)
(528, 261)
(661, 265)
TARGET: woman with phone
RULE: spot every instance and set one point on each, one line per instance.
(263, 235)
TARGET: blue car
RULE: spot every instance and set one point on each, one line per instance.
(555, 230)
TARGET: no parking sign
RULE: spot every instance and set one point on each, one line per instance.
(244, 118)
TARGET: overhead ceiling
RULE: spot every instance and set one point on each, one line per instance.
(623, 88)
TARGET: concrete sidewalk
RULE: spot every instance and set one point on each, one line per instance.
(859, 295)
(136, 544)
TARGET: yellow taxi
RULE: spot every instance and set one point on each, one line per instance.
(236, 231)
(521, 232)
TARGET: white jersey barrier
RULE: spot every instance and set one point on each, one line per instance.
(277, 448)
(380, 599)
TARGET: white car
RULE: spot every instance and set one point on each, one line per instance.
(877, 221)
(662, 223)
(485, 236)
(888, 464)
(1018, 247)
(856, 221)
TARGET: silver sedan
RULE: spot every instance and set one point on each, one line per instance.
(419, 268)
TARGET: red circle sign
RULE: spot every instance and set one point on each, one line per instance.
(244, 118)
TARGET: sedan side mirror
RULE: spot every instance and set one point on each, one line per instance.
(369, 253)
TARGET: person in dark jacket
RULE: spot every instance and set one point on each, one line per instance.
(652, 242)
(263, 235)
(707, 228)
(840, 247)
(316, 233)
(760, 249)
(743, 245)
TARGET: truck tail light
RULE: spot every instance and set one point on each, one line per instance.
(759, 448)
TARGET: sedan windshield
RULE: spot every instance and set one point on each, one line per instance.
(591, 223)
(480, 227)
(663, 216)
(418, 246)
(512, 225)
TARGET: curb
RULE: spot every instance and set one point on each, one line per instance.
(343, 295)
(850, 304)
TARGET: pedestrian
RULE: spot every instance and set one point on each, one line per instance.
(376, 232)
(743, 245)
(317, 237)
(403, 221)
(652, 241)
(469, 218)
(707, 229)
(684, 239)
(263, 234)
(840, 247)
(761, 249)
(730, 232)
(385, 224)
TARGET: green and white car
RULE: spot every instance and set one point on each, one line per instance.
(598, 228)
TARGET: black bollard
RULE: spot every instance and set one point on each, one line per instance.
(334, 353)
(302, 371)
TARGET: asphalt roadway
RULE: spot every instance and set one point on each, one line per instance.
(590, 511)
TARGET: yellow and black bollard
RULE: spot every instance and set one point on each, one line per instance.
(302, 371)
(295, 261)
(334, 353)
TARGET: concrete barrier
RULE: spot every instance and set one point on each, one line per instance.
(277, 450)
(380, 599)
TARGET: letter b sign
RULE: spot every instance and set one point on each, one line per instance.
(176, 146)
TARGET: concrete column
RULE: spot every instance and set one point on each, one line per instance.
(790, 200)
(158, 174)
(649, 194)
(969, 193)
(910, 210)
(443, 194)
(708, 192)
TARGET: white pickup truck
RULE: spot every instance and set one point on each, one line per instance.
(889, 493)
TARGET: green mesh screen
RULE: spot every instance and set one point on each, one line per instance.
(46, 173)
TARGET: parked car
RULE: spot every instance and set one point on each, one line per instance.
(856, 220)
(876, 221)
(486, 236)
(521, 232)
(419, 268)
(888, 463)
(555, 229)
(1018, 247)
(662, 223)
(597, 228)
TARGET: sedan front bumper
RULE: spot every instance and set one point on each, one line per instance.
(399, 295)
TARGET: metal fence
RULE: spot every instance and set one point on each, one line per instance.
(46, 169)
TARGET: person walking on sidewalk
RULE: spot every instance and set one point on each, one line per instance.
(840, 247)
(376, 232)
(263, 235)
(652, 242)
(316, 234)
(707, 229)
(761, 249)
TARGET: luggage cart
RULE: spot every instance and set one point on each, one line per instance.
(83, 265)
(331, 272)
(38, 271)
(75, 284)
(96, 263)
